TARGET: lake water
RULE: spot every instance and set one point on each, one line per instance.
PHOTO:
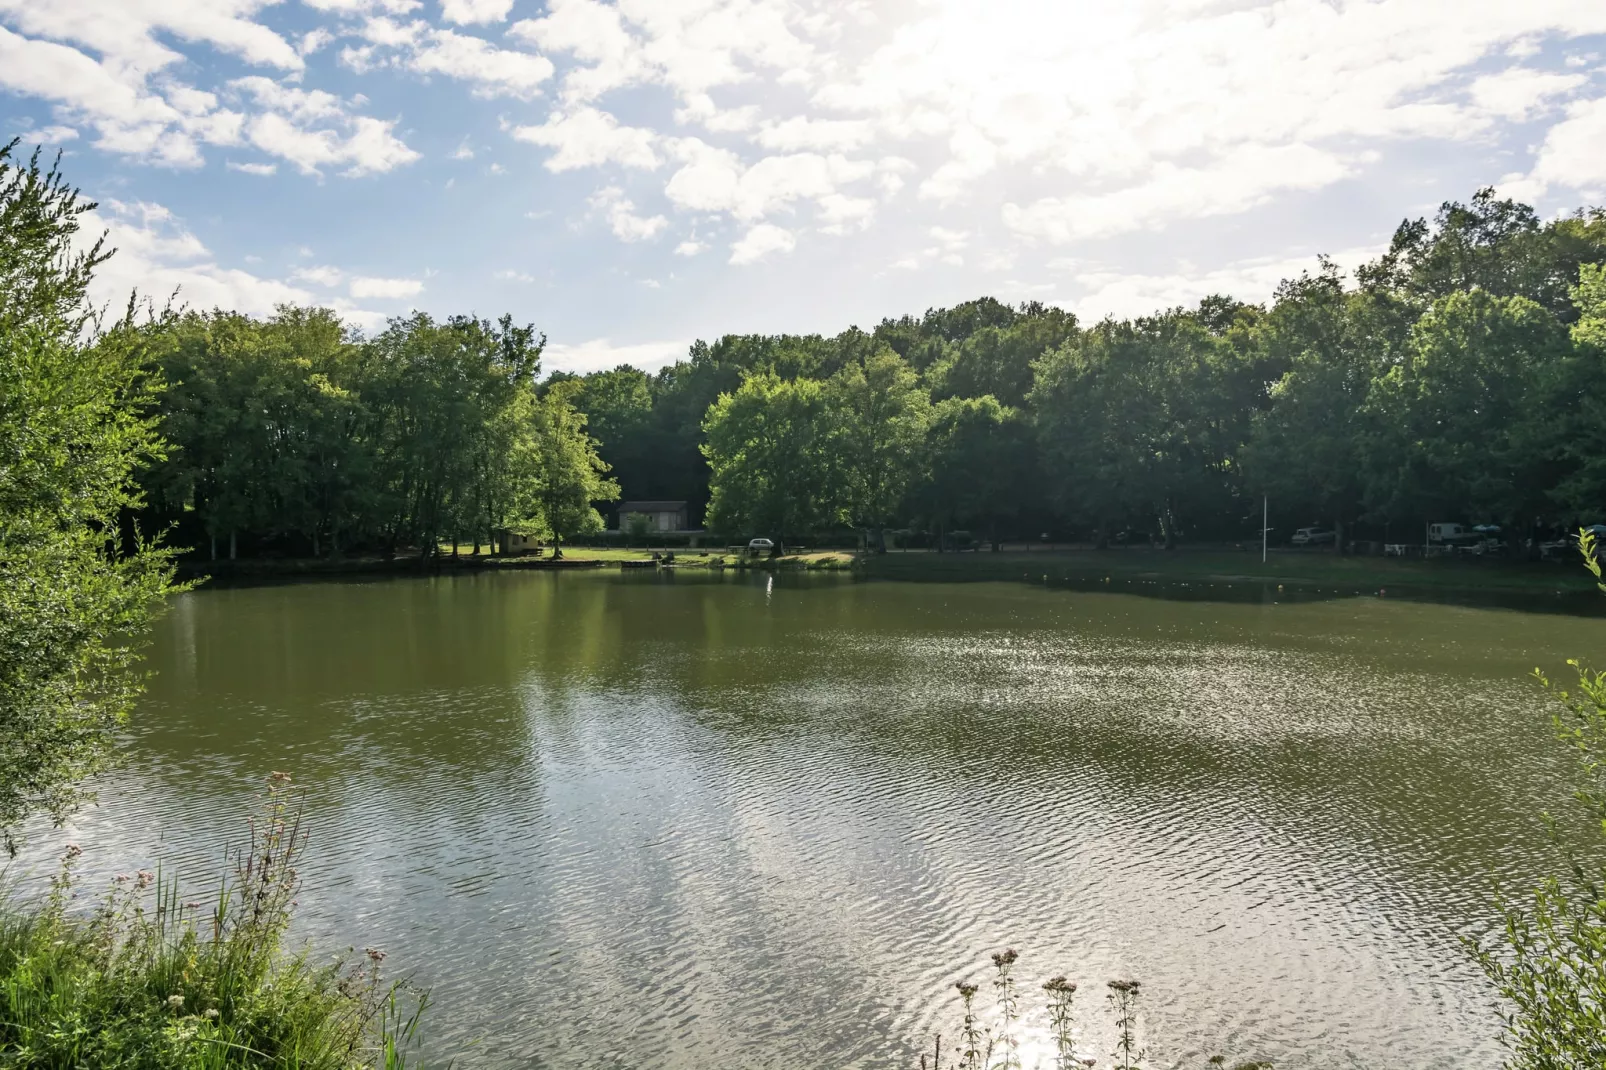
(641, 820)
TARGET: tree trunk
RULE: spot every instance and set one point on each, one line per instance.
(214, 547)
(1338, 535)
(234, 546)
(1101, 538)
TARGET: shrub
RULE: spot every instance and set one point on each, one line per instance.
(1550, 968)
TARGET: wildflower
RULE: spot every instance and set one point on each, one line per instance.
(1005, 957)
(174, 1002)
(72, 852)
(966, 991)
(144, 879)
(374, 954)
(211, 1012)
(1058, 986)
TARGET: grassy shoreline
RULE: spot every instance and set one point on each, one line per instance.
(1311, 572)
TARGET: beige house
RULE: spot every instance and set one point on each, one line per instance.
(661, 516)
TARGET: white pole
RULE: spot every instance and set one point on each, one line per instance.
(1265, 514)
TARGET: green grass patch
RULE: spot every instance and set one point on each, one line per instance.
(149, 982)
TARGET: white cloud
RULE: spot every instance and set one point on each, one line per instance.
(365, 7)
(127, 33)
(50, 135)
(689, 48)
(313, 40)
(587, 137)
(261, 169)
(1123, 295)
(801, 132)
(713, 180)
(510, 275)
(760, 242)
(600, 354)
(464, 151)
(465, 12)
(493, 71)
(622, 218)
(1520, 91)
(369, 147)
(323, 275)
(690, 248)
(1170, 192)
(367, 287)
(1571, 156)
(157, 257)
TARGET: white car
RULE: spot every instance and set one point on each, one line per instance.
(1312, 537)
(761, 546)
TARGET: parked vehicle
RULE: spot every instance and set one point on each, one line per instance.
(1453, 534)
(762, 547)
(1313, 536)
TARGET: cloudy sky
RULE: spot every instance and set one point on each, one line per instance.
(631, 175)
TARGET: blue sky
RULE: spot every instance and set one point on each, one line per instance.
(632, 175)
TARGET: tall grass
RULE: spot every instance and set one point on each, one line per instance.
(146, 980)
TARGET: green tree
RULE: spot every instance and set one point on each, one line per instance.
(771, 446)
(1455, 421)
(1305, 447)
(569, 476)
(977, 454)
(881, 413)
(75, 596)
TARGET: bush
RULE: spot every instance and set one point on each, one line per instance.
(1551, 966)
(148, 981)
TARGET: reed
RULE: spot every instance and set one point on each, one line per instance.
(998, 1046)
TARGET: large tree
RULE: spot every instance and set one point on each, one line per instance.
(880, 415)
(569, 476)
(772, 447)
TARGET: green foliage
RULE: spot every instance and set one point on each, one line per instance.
(568, 474)
(1453, 419)
(880, 416)
(772, 448)
(296, 432)
(76, 588)
(148, 982)
(975, 449)
(1551, 966)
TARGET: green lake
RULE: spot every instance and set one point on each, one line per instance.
(691, 821)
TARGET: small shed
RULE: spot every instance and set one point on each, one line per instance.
(661, 516)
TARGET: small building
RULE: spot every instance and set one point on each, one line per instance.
(661, 516)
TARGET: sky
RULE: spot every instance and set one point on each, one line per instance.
(633, 175)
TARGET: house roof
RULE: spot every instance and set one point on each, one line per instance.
(650, 507)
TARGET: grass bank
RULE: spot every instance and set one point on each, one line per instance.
(148, 982)
(1310, 572)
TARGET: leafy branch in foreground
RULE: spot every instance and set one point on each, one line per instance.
(76, 588)
(149, 981)
(1550, 967)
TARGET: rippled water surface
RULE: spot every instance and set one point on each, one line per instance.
(640, 821)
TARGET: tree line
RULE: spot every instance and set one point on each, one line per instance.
(1457, 377)
(294, 434)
